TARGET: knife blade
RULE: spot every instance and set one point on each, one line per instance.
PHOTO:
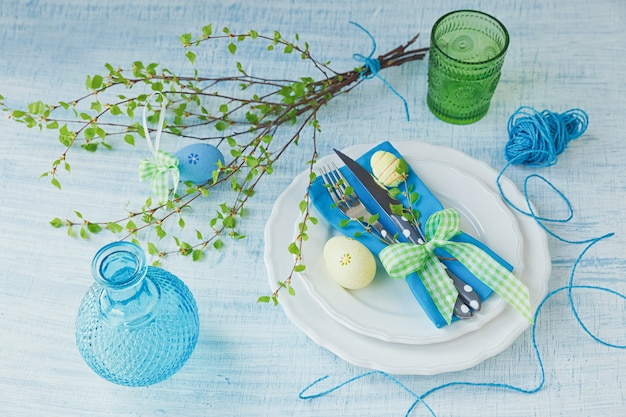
(468, 299)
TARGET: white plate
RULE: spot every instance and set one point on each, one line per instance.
(386, 309)
(401, 358)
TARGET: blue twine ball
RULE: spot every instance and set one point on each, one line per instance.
(537, 138)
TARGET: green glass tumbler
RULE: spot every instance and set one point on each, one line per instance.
(467, 50)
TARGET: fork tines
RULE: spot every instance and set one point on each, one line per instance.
(336, 183)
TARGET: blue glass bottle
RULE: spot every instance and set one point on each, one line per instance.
(137, 325)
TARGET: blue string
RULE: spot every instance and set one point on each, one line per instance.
(541, 155)
(541, 136)
(372, 68)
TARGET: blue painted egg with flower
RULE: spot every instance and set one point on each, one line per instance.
(197, 162)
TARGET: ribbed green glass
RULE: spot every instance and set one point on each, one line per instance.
(467, 50)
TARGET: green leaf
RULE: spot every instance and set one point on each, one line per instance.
(152, 249)
(96, 82)
(197, 255)
(56, 223)
(90, 132)
(151, 69)
(232, 48)
(185, 38)
(299, 268)
(160, 232)
(207, 30)
(373, 218)
(252, 118)
(114, 227)
(220, 126)
(293, 248)
(90, 147)
(254, 34)
(264, 299)
(56, 183)
(96, 105)
(229, 222)
(115, 110)
(185, 249)
(94, 228)
(218, 244)
(130, 139)
(402, 168)
(191, 56)
(37, 107)
(66, 137)
(131, 226)
(397, 209)
(251, 161)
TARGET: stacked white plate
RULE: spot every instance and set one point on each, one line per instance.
(382, 326)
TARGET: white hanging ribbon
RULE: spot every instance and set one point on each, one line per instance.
(157, 139)
(164, 164)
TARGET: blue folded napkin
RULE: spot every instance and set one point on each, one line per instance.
(426, 205)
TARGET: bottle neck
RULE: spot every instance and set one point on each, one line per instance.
(128, 297)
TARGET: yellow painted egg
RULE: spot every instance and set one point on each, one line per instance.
(349, 262)
(388, 169)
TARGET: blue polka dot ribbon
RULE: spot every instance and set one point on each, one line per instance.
(163, 167)
(401, 259)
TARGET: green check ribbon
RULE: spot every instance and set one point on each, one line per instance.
(401, 259)
(159, 170)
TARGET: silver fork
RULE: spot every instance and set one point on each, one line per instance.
(348, 202)
(352, 207)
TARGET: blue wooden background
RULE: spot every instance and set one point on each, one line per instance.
(250, 360)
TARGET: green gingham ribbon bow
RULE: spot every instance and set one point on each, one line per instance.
(163, 166)
(401, 259)
(159, 170)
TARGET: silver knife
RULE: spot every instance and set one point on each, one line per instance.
(468, 299)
